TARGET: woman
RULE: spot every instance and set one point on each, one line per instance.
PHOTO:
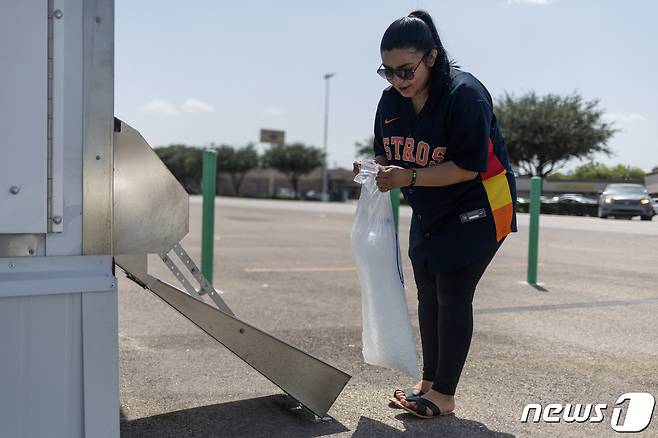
(438, 140)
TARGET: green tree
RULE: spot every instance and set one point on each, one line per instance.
(559, 175)
(364, 149)
(185, 163)
(294, 161)
(543, 133)
(655, 169)
(236, 163)
(603, 172)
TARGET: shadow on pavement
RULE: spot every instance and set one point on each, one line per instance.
(278, 416)
(449, 426)
(275, 415)
(538, 287)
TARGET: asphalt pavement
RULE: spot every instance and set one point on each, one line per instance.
(586, 334)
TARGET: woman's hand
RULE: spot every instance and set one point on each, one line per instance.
(379, 159)
(356, 167)
(392, 177)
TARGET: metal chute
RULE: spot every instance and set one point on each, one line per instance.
(151, 214)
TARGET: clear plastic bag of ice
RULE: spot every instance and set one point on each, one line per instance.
(387, 335)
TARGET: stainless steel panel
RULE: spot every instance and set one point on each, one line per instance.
(151, 209)
(136, 266)
(98, 123)
(309, 380)
(22, 245)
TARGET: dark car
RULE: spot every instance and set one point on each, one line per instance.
(625, 200)
(575, 204)
(574, 198)
(523, 204)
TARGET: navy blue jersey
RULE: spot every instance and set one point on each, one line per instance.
(452, 225)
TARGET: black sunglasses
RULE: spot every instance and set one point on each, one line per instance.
(404, 73)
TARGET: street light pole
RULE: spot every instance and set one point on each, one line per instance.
(325, 195)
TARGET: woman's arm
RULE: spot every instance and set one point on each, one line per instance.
(443, 174)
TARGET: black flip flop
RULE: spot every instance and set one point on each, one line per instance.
(422, 404)
(410, 394)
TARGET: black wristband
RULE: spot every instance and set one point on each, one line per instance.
(413, 177)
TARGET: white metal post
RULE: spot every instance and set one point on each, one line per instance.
(325, 194)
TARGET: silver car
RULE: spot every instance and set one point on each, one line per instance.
(626, 200)
(655, 205)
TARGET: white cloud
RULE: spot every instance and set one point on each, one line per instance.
(196, 106)
(273, 111)
(529, 2)
(160, 106)
(624, 118)
(164, 107)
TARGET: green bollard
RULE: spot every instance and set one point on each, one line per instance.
(395, 203)
(209, 188)
(533, 240)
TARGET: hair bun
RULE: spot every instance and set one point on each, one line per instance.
(420, 14)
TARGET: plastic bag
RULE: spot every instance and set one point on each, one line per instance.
(387, 337)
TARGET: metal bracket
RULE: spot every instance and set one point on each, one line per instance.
(204, 285)
(179, 275)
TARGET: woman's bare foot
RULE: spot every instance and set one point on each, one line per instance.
(423, 385)
(446, 403)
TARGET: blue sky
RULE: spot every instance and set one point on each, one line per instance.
(218, 71)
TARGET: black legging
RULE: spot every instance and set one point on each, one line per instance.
(445, 314)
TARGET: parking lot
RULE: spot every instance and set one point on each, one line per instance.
(587, 335)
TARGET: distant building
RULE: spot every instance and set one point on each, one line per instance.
(651, 183)
(262, 182)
